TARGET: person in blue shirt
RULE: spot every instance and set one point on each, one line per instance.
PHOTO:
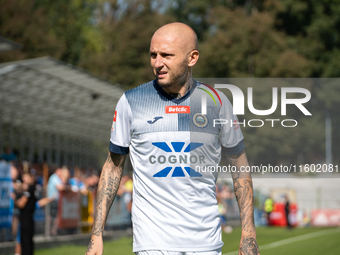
(77, 184)
(56, 183)
(8, 155)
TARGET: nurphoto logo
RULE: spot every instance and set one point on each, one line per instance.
(239, 105)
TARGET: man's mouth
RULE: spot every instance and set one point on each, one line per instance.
(161, 74)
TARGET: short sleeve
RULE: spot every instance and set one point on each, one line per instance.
(57, 181)
(120, 130)
(231, 137)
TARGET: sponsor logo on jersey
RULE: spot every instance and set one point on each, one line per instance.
(154, 120)
(236, 125)
(200, 120)
(115, 117)
(177, 109)
(114, 121)
(177, 154)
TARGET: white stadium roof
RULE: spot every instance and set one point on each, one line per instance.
(8, 45)
(49, 96)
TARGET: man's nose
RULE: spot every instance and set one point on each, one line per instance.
(159, 61)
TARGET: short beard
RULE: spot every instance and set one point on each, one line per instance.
(180, 80)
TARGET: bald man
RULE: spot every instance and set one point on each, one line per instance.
(161, 126)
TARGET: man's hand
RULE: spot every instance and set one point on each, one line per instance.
(243, 188)
(95, 246)
(107, 190)
(248, 246)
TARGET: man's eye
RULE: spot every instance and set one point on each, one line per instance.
(153, 55)
(168, 56)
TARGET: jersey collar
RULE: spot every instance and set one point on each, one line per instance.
(175, 100)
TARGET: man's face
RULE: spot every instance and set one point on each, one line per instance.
(28, 179)
(169, 61)
(65, 175)
(14, 173)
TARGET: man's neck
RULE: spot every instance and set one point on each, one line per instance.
(181, 91)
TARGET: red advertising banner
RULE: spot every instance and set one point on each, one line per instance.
(278, 215)
(326, 218)
(68, 210)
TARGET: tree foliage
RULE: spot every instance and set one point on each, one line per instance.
(59, 28)
(126, 32)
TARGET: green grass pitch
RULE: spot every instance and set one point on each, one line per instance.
(325, 242)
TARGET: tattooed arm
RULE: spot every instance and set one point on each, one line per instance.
(107, 190)
(243, 188)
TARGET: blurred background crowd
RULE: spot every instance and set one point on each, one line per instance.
(63, 199)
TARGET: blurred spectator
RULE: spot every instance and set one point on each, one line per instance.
(18, 190)
(222, 209)
(302, 218)
(65, 176)
(125, 191)
(17, 187)
(268, 208)
(223, 195)
(287, 211)
(26, 205)
(129, 185)
(8, 155)
(92, 182)
(39, 204)
(6, 198)
(56, 183)
(76, 182)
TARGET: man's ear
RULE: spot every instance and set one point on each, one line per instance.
(193, 57)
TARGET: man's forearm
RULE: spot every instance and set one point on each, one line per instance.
(107, 190)
(243, 188)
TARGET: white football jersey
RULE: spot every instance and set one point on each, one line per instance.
(174, 204)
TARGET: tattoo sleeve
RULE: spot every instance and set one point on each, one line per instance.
(107, 189)
(243, 188)
(89, 247)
